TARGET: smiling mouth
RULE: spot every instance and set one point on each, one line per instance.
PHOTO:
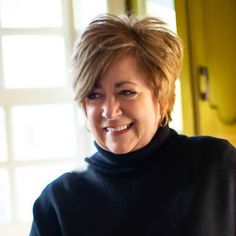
(120, 128)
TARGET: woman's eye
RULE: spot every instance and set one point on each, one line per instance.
(128, 93)
(94, 95)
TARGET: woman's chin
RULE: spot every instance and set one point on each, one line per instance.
(119, 149)
(122, 149)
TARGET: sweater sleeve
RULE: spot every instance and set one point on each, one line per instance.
(45, 221)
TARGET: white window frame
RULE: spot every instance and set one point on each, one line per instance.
(12, 97)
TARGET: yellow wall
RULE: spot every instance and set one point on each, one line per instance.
(208, 30)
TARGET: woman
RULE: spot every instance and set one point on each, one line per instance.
(144, 179)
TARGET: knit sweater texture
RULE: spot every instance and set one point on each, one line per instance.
(174, 186)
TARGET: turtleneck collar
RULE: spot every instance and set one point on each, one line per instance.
(109, 162)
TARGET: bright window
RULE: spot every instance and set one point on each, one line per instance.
(85, 15)
(3, 139)
(38, 61)
(43, 132)
(5, 213)
(31, 13)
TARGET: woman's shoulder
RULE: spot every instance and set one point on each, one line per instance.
(203, 145)
(209, 145)
(68, 179)
(65, 185)
(204, 156)
(203, 152)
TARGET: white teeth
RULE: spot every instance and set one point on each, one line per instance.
(123, 127)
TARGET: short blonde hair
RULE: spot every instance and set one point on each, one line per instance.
(158, 51)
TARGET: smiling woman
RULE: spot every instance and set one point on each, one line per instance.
(144, 178)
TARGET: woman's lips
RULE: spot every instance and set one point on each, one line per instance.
(118, 128)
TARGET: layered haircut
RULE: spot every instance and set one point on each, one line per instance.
(107, 38)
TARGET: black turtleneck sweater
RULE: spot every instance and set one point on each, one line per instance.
(174, 186)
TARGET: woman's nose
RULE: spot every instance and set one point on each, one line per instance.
(111, 109)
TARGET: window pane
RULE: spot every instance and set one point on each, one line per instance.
(164, 10)
(4, 197)
(43, 131)
(85, 15)
(3, 148)
(31, 13)
(34, 61)
(30, 181)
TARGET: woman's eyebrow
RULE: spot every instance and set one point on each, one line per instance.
(117, 84)
(121, 83)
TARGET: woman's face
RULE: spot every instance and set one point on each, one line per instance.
(122, 112)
